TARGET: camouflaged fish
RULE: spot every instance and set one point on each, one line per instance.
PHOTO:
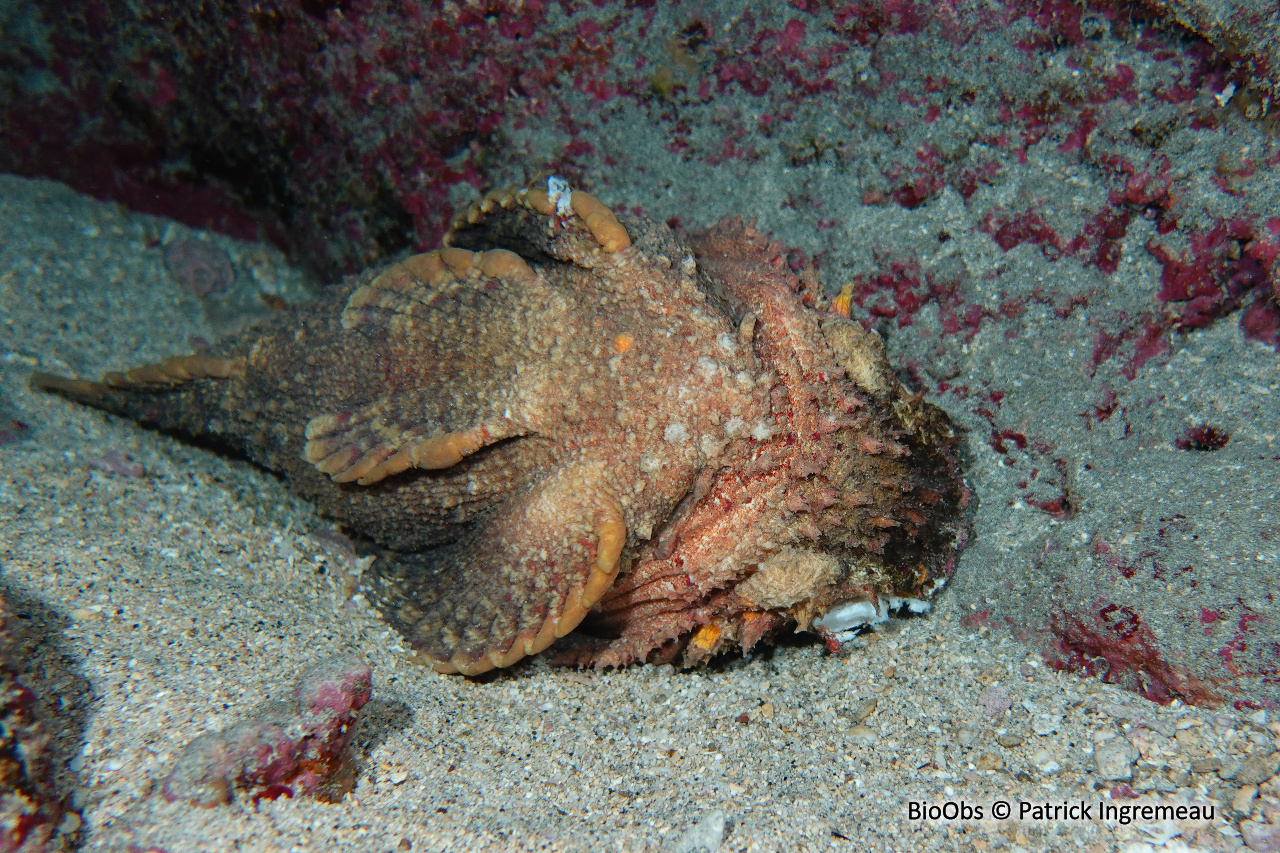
(568, 419)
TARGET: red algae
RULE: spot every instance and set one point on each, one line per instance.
(1202, 437)
(1115, 645)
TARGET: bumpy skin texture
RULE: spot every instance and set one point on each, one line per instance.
(565, 416)
(855, 495)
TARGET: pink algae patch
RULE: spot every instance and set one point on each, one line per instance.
(1223, 267)
(1202, 438)
(1115, 645)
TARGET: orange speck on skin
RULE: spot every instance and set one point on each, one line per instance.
(623, 343)
(706, 637)
(843, 301)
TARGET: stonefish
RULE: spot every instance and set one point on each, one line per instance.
(568, 419)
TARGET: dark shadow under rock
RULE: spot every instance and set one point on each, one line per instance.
(44, 708)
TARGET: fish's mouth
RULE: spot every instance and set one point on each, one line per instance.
(844, 620)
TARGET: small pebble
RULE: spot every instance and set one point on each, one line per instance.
(707, 835)
(115, 462)
(199, 267)
(1242, 802)
(1046, 724)
(865, 709)
(1044, 761)
(1115, 759)
(1258, 768)
(995, 700)
(1261, 837)
(864, 735)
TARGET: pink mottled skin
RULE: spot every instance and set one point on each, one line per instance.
(853, 496)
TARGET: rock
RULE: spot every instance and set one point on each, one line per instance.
(989, 761)
(1258, 768)
(199, 267)
(865, 709)
(288, 748)
(1044, 761)
(995, 700)
(707, 835)
(863, 735)
(1045, 724)
(1261, 837)
(1115, 759)
(1242, 802)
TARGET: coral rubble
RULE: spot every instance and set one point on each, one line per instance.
(284, 749)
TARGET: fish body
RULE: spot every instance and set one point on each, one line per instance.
(569, 420)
